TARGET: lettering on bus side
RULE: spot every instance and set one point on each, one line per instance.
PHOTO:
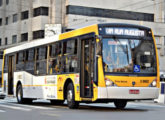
(51, 80)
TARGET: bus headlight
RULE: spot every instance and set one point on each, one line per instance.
(154, 83)
(108, 82)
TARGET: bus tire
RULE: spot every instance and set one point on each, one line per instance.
(72, 104)
(19, 96)
(57, 102)
(120, 104)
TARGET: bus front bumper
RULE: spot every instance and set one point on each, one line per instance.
(141, 93)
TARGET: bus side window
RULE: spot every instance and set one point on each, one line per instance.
(29, 61)
(54, 65)
(41, 66)
(20, 61)
(6, 64)
(69, 59)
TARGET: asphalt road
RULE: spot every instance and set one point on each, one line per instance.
(43, 110)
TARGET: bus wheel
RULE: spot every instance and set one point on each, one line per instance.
(71, 97)
(19, 94)
(56, 102)
(20, 98)
(120, 104)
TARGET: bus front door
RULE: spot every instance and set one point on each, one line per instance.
(87, 67)
(10, 75)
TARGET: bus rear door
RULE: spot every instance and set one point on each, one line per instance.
(10, 74)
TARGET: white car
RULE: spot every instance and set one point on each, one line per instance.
(2, 96)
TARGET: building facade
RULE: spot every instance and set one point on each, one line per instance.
(24, 20)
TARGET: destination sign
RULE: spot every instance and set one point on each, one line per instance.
(125, 31)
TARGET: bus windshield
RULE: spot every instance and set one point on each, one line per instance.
(128, 55)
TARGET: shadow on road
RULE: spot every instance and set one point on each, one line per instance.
(89, 107)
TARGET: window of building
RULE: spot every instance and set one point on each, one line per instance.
(24, 37)
(7, 2)
(24, 15)
(1, 2)
(38, 34)
(41, 11)
(0, 21)
(109, 13)
(14, 39)
(7, 21)
(0, 41)
(6, 41)
(15, 18)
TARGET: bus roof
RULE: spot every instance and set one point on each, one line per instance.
(32, 44)
(52, 39)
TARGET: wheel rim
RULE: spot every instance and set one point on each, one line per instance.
(69, 96)
(19, 95)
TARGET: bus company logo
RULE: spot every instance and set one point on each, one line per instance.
(133, 83)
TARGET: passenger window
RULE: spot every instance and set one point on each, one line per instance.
(55, 65)
(29, 64)
(70, 47)
(55, 49)
(70, 59)
(41, 68)
(42, 53)
(6, 64)
(20, 57)
(20, 61)
(55, 58)
(29, 55)
(41, 63)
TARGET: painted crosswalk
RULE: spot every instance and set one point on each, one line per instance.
(12, 104)
(2, 111)
(15, 107)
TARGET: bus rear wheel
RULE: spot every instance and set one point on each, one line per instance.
(120, 104)
(19, 95)
(72, 104)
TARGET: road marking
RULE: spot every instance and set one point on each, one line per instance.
(2, 111)
(16, 108)
(145, 105)
(31, 106)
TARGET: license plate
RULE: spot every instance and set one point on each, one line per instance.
(134, 91)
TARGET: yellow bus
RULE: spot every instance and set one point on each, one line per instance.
(100, 63)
